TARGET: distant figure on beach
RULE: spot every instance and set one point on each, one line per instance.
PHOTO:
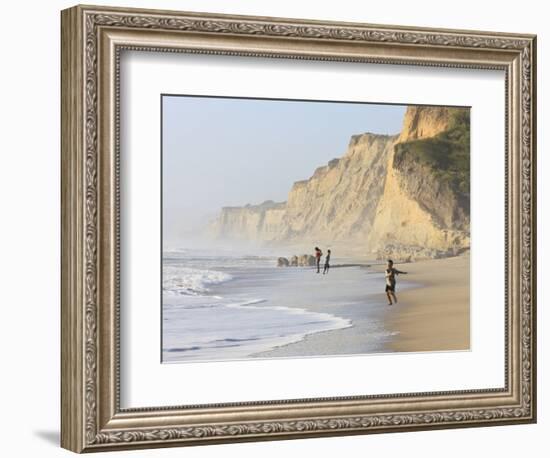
(327, 265)
(391, 272)
(318, 254)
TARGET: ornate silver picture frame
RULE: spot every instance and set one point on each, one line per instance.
(93, 39)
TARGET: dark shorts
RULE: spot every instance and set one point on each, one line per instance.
(390, 288)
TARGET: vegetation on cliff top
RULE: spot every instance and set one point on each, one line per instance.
(447, 154)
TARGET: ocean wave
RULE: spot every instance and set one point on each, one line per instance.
(247, 303)
(203, 259)
(190, 281)
(237, 329)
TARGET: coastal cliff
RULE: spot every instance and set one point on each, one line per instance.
(405, 195)
(425, 207)
(250, 222)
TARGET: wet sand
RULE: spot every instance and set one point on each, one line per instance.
(433, 314)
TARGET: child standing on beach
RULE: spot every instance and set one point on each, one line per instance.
(390, 273)
(327, 265)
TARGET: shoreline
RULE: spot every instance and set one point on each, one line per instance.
(232, 308)
(418, 322)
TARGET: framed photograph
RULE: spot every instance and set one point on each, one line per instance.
(279, 228)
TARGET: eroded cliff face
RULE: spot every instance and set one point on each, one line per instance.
(340, 198)
(423, 212)
(262, 222)
(393, 195)
(423, 122)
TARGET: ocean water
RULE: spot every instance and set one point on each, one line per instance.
(223, 305)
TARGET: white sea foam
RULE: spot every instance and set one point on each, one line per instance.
(219, 307)
(190, 281)
(212, 328)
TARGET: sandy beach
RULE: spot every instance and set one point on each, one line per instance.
(237, 307)
(436, 316)
(433, 314)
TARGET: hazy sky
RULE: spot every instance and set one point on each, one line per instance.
(222, 152)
